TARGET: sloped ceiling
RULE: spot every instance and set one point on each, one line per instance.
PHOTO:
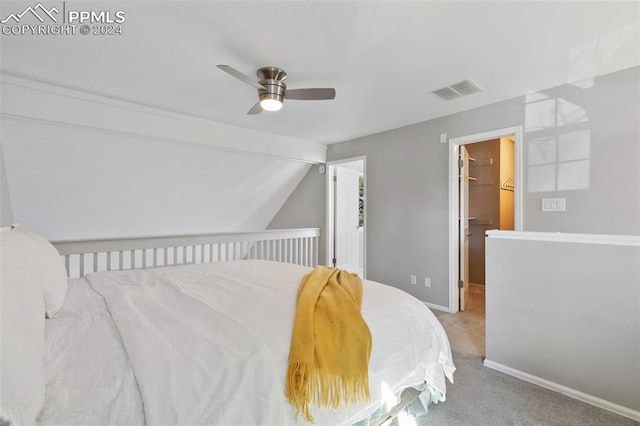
(73, 183)
(383, 58)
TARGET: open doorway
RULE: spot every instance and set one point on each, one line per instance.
(471, 213)
(346, 215)
(489, 196)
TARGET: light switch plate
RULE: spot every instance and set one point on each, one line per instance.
(553, 205)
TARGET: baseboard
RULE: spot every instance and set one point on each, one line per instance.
(573, 393)
(437, 307)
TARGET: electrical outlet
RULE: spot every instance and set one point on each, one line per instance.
(427, 282)
(413, 279)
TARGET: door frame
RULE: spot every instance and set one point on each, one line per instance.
(454, 190)
(330, 209)
(463, 226)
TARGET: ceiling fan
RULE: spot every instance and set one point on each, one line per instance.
(272, 90)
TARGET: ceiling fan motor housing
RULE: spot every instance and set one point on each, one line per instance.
(272, 79)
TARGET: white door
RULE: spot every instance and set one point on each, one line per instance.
(346, 238)
(464, 227)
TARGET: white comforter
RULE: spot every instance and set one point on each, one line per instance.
(89, 378)
(209, 343)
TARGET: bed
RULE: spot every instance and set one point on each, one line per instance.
(207, 342)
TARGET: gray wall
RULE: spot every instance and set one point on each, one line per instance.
(573, 322)
(597, 137)
(590, 126)
(310, 192)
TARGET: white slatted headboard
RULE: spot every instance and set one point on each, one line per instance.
(298, 246)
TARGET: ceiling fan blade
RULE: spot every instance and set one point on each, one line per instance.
(256, 109)
(242, 77)
(310, 94)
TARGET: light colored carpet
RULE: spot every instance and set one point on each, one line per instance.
(482, 396)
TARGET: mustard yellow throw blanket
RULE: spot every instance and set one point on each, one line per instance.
(331, 343)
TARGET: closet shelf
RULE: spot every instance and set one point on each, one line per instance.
(482, 162)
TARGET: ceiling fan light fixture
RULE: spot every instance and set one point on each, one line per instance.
(270, 104)
(272, 100)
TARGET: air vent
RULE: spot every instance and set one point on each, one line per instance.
(446, 93)
(457, 90)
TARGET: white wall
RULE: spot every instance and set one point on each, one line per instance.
(6, 212)
(574, 322)
(581, 142)
(69, 182)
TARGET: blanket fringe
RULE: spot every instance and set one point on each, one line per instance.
(305, 385)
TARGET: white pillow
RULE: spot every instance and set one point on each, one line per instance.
(22, 373)
(50, 270)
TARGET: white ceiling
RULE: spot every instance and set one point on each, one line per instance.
(383, 58)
